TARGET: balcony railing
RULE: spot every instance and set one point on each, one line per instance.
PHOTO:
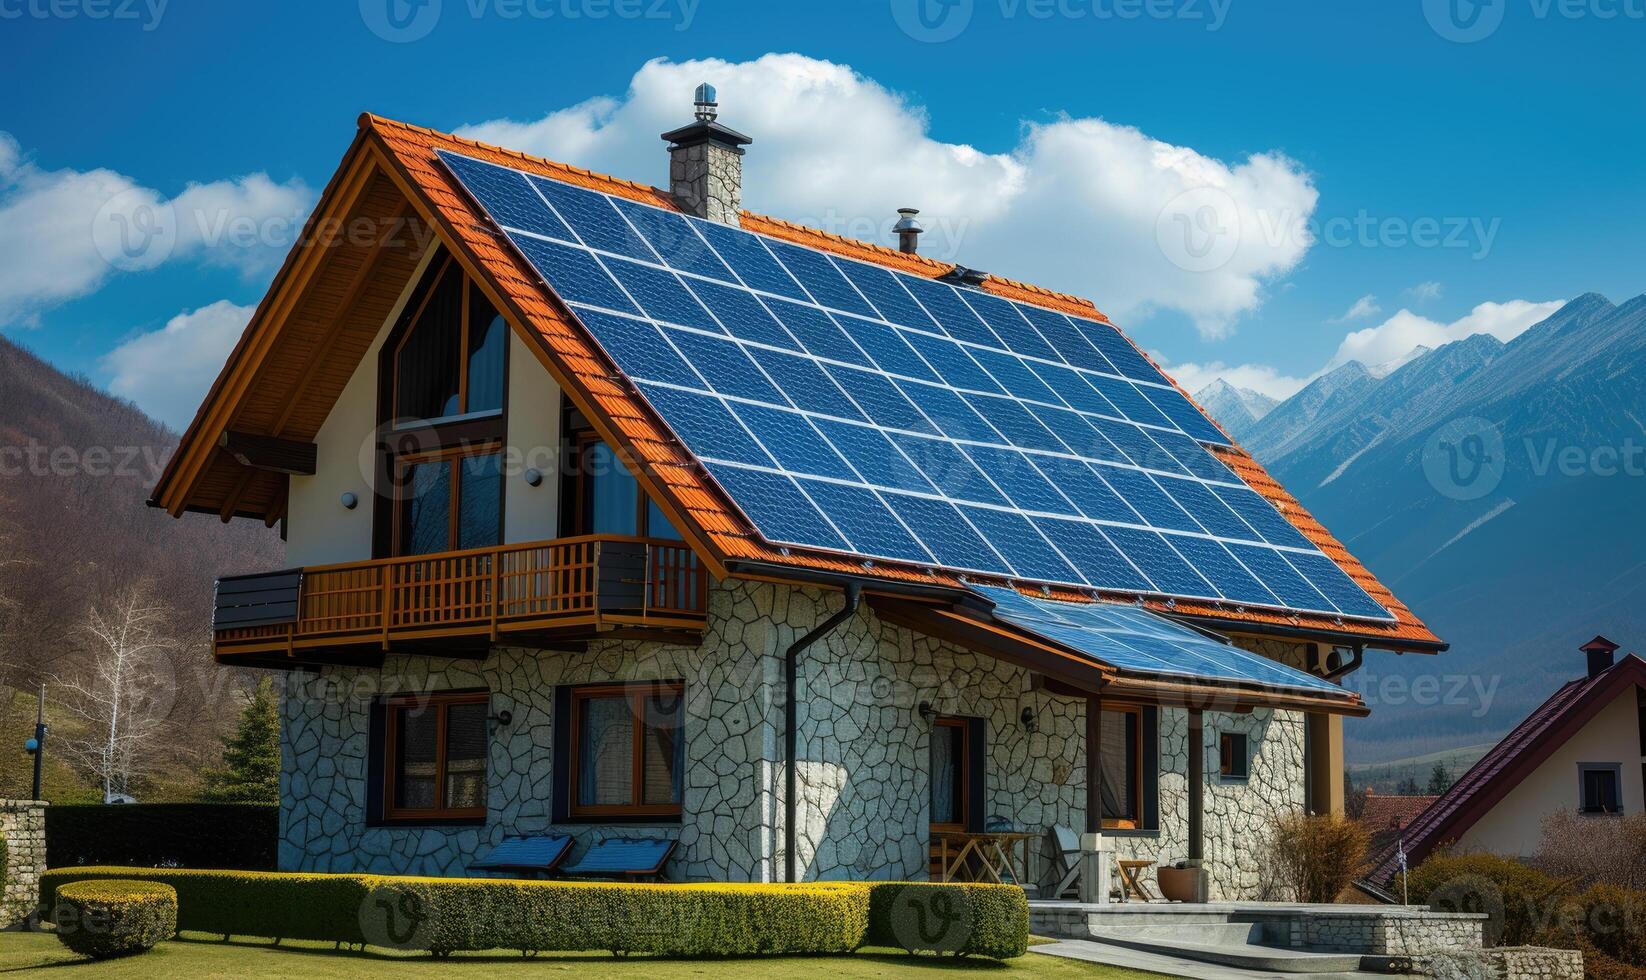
(572, 588)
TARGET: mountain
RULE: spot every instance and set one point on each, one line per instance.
(1496, 489)
(1238, 409)
(76, 466)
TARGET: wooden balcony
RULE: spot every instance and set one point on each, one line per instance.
(547, 593)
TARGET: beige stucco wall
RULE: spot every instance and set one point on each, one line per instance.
(1513, 826)
(320, 531)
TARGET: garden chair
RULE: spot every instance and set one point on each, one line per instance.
(523, 857)
(633, 859)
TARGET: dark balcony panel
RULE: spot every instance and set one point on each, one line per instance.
(267, 599)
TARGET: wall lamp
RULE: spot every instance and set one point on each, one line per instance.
(534, 477)
(927, 712)
(1031, 724)
(349, 500)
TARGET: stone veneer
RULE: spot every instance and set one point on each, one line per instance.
(864, 785)
(23, 825)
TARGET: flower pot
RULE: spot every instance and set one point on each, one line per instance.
(1182, 884)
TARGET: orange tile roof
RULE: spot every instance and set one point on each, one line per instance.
(581, 366)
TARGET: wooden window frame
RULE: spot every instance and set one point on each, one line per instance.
(1136, 822)
(430, 285)
(453, 457)
(636, 694)
(1615, 770)
(965, 763)
(440, 704)
(582, 488)
(1227, 744)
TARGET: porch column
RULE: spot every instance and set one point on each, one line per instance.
(1094, 850)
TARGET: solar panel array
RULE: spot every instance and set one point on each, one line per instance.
(1136, 640)
(847, 407)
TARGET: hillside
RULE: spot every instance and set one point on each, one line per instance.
(75, 468)
(1496, 489)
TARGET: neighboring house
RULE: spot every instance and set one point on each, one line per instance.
(1582, 751)
(1386, 818)
(605, 502)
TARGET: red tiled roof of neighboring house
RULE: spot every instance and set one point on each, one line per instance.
(711, 520)
(1385, 817)
(1510, 761)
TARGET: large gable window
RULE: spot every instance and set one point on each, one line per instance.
(443, 393)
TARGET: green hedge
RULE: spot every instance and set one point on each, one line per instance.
(443, 915)
(242, 836)
(105, 919)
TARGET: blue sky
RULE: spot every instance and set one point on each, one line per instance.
(1365, 123)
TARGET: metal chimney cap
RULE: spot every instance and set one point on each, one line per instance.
(907, 221)
(703, 101)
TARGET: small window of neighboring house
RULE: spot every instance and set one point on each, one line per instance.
(1233, 763)
(434, 749)
(1600, 788)
(626, 751)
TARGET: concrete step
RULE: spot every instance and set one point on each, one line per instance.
(1171, 932)
(1087, 951)
(1240, 955)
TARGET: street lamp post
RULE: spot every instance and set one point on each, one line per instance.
(36, 746)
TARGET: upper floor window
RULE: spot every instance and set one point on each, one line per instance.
(1599, 785)
(607, 499)
(449, 361)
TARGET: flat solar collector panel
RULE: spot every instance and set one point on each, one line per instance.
(846, 407)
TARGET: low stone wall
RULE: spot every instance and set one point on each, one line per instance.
(1394, 932)
(23, 824)
(1507, 963)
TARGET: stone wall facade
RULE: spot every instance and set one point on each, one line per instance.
(23, 825)
(863, 774)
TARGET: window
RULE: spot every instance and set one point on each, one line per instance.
(951, 769)
(1233, 764)
(1600, 788)
(449, 358)
(1122, 765)
(449, 500)
(443, 371)
(434, 749)
(608, 499)
(626, 750)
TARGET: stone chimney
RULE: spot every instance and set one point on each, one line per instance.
(1600, 652)
(706, 163)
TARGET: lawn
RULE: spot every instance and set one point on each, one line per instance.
(203, 957)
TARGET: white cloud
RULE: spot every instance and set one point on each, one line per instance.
(1077, 204)
(1396, 336)
(1260, 378)
(1425, 292)
(166, 372)
(1363, 307)
(68, 231)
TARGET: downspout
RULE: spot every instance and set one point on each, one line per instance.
(791, 739)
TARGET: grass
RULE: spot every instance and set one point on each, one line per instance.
(197, 956)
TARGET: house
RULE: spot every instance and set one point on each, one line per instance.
(1582, 751)
(605, 503)
(1386, 818)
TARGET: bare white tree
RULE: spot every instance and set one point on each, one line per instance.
(123, 696)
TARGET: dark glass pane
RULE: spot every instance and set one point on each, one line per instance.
(665, 749)
(1119, 765)
(948, 761)
(425, 513)
(488, 335)
(658, 526)
(415, 761)
(480, 502)
(466, 756)
(614, 496)
(605, 749)
(430, 357)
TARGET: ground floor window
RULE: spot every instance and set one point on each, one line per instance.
(1600, 788)
(625, 750)
(951, 765)
(1233, 760)
(1122, 764)
(435, 757)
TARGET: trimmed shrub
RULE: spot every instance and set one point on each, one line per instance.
(1520, 901)
(109, 918)
(176, 835)
(444, 915)
(1316, 857)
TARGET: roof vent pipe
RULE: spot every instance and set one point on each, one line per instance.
(908, 231)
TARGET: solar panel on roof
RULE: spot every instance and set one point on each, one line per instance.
(1136, 640)
(845, 407)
